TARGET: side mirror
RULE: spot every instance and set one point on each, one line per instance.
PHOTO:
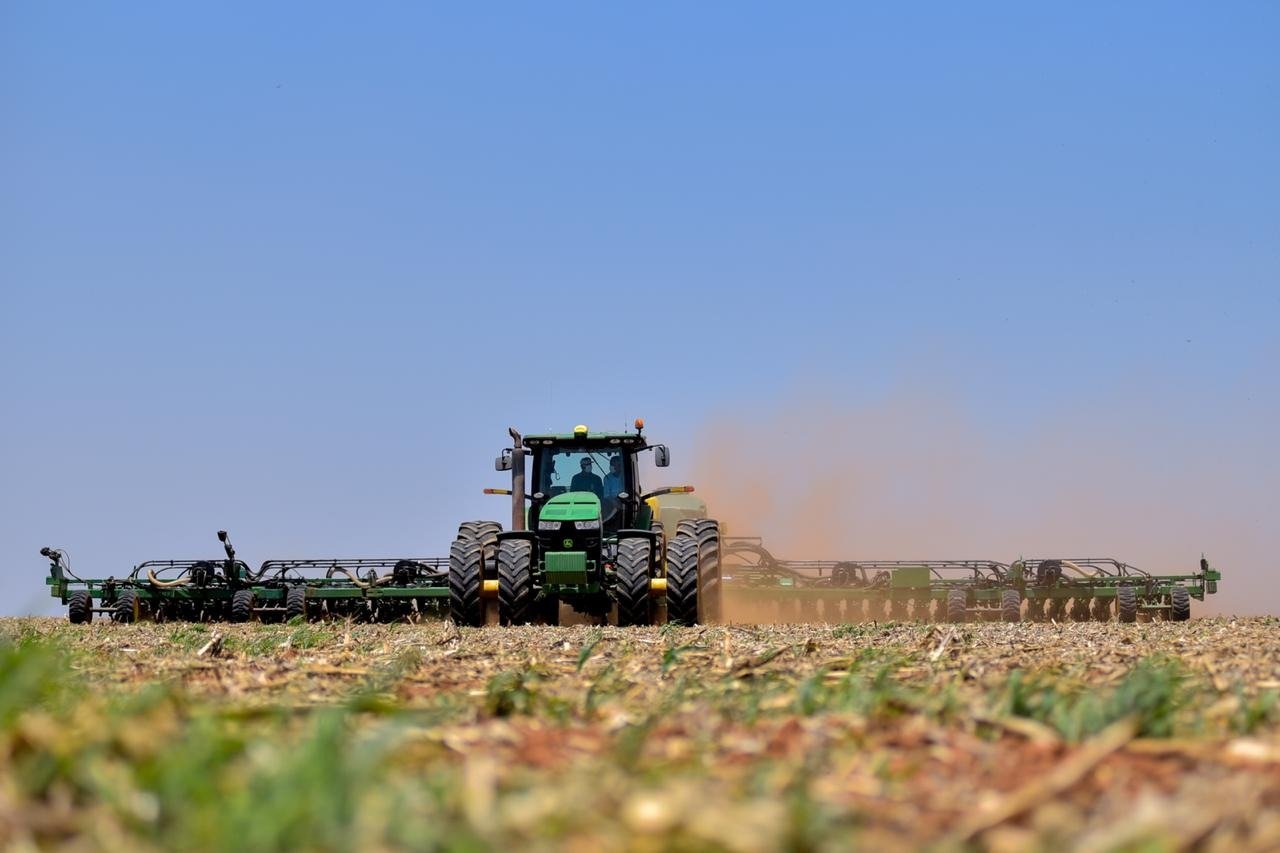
(503, 462)
(661, 456)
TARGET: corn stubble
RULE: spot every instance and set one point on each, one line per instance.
(343, 736)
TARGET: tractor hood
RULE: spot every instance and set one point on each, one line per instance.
(571, 506)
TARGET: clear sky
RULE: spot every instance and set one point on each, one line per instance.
(291, 269)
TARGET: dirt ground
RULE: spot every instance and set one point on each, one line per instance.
(995, 736)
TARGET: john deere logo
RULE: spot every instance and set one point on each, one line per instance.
(568, 543)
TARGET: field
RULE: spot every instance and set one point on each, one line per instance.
(342, 736)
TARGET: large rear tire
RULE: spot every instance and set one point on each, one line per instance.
(635, 606)
(484, 532)
(682, 580)
(1180, 604)
(466, 577)
(126, 607)
(1011, 605)
(80, 607)
(957, 606)
(515, 582)
(1127, 604)
(242, 605)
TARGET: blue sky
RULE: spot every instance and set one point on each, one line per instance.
(291, 269)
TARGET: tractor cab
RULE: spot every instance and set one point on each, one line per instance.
(586, 481)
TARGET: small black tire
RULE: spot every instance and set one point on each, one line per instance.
(635, 606)
(1101, 609)
(295, 603)
(1011, 605)
(242, 605)
(125, 609)
(466, 579)
(1127, 604)
(957, 606)
(1180, 604)
(515, 582)
(1080, 610)
(682, 580)
(80, 607)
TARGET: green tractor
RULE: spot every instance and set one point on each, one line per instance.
(584, 533)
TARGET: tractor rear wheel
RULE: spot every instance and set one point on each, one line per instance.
(484, 532)
(80, 607)
(1180, 604)
(295, 603)
(242, 605)
(1127, 604)
(126, 607)
(682, 580)
(632, 590)
(515, 582)
(1011, 605)
(466, 563)
(957, 606)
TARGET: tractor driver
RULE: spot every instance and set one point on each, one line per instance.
(613, 480)
(586, 481)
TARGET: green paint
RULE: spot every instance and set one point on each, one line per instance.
(571, 506)
(565, 567)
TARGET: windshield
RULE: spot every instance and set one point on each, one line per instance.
(599, 472)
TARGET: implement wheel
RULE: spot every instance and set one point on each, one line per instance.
(515, 582)
(1011, 605)
(466, 561)
(1101, 609)
(1180, 604)
(295, 603)
(1127, 604)
(126, 607)
(242, 605)
(635, 607)
(957, 606)
(80, 607)
(682, 580)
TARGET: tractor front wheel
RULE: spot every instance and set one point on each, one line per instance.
(515, 582)
(682, 580)
(635, 607)
(1180, 604)
(80, 607)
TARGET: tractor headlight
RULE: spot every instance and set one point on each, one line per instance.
(548, 525)
(587, 525)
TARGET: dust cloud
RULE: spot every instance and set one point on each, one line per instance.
(1141, 476)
